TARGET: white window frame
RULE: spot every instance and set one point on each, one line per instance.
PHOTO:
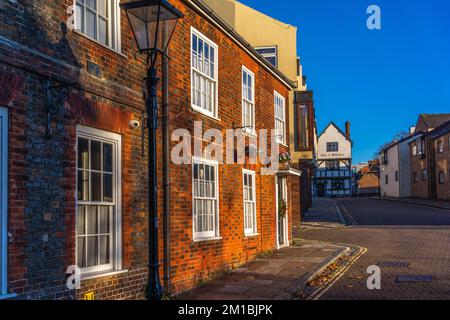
(3, 201)
(215, 107)
(114, 38)
(254, 230)
(207, 235)
(283, 100)
(269, 55)
(252, 128)
(116, 224)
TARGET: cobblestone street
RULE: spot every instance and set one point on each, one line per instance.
(392, 232)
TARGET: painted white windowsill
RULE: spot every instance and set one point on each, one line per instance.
(207, 239)
(250, 235)
(204, 113)
(282, 144)
(8, 296)
(90, 276)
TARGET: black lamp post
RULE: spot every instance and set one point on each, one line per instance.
(153, 23)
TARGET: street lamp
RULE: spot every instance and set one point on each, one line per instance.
(153, 23)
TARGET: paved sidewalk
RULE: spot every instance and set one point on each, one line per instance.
(421, 202)
(280, 276)
(324, 213)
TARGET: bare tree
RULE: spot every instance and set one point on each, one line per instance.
(397, 137)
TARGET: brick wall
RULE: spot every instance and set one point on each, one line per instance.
(36, 48)
(443, 165)
(193, 262)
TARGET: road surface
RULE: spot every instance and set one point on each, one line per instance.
(415, 238)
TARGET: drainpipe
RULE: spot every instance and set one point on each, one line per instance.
(166, 171)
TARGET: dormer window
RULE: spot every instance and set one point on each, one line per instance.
(270, 54)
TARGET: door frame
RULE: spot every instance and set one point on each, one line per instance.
(4, 200)
(286, 224)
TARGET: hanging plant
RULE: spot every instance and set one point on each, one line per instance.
(282, 208)
(285, 157)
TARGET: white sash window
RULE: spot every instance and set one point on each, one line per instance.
(98, 201)
(248, 99)
(280, 118)
(249, 202)
(204, 74)
(205, 199)
(99, 20)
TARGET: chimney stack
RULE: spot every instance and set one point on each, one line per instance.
(347, 129)
(412, 130)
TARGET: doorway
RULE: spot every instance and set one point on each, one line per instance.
(282, 213)
(321, 190)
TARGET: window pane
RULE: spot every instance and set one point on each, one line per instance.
(91, 220)
(104, 249)
(272, 50)
(194, 43)
(79, 15)
(102, 7)
(92, 4)
(103, 31)
(107, 157)
(104, 219)
(83, 153)
(272, 60)
(96, 184)
(91, 24)
(92, 251)
(96, 157)
(83, 185)
(212, 65)
(107, 187)
(81, 252)
(81, 222)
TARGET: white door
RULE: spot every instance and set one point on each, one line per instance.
(282, 219)
(3, 197)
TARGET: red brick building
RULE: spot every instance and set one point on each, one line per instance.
(368, 180)
(74, 178)
(441, 141)
(424, 157)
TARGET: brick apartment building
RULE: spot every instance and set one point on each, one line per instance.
(73, 177)
(424, 157)
(441, 141)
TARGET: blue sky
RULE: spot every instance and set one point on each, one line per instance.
(380, 80)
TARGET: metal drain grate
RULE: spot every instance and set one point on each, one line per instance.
(414, 278)
(393, 264)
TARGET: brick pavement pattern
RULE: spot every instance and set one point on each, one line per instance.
(392, 232)
(276, 276)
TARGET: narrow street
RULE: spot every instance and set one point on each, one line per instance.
(404, 239)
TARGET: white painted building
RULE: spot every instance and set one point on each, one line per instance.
(395, 176)
(333, 175)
